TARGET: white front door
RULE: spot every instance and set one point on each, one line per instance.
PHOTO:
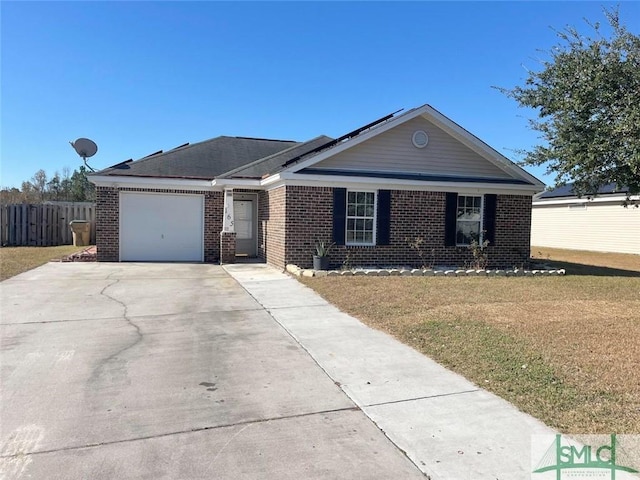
(244, 224)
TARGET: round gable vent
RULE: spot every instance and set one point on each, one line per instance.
(420, 139)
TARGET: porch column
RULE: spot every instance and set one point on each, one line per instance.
(228, 234)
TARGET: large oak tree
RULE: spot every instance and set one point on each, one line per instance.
(587, 98)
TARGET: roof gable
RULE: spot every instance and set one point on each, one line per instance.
(469, 154)
(393, 151)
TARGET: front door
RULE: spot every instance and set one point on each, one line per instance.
(244, 222)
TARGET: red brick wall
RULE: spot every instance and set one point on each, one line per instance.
(227, 247)
(309, 217)
(107, 221)
(107, 224)
(213, 213)
(513, 230)
(414, 214)
(271, 220)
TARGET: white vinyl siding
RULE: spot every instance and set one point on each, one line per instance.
(361, 218)
(600, 227)
(393, 151)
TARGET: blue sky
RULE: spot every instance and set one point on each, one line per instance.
(137, 77)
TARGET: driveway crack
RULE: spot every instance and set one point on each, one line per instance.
(125, 308)
(99, 370)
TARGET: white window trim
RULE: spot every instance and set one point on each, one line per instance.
(375, 219)
(481, 238)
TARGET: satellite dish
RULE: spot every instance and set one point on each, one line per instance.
(85, 148)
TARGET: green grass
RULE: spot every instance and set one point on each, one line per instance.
(508, 366)
(563, 349)
(15, 260)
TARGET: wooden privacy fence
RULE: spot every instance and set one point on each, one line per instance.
(43, 224)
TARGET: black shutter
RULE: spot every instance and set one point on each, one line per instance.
(339, 214)
(383, 221)
(489, 221)
(450, 213)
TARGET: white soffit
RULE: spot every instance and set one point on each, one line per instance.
(151, 182)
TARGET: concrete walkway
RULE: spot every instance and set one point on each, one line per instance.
(448, 427)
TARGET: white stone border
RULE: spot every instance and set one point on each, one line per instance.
(418, 272)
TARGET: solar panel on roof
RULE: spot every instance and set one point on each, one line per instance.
(342, 138)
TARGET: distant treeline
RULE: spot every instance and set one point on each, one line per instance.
(68, 187)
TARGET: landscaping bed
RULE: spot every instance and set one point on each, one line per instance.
(423, 272)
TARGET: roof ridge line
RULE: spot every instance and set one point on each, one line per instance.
(264, 139)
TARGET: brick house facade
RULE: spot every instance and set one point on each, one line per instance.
(414, 215)
(412, 195)
(292, 219)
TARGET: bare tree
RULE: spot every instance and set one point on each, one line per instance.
(39, 183)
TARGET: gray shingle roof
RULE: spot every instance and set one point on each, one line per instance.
(567, 191)
(274, 163)
(204, 160)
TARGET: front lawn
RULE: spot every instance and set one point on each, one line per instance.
(588, 263)
(15, 260)
(564, 349)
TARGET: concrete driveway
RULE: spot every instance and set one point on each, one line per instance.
(173, 371)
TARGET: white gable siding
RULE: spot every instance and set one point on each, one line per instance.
(393, 151)
(600, 227)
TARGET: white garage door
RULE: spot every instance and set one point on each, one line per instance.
(161, 227)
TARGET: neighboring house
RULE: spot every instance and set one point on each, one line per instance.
(416, 177)
(599, 223)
